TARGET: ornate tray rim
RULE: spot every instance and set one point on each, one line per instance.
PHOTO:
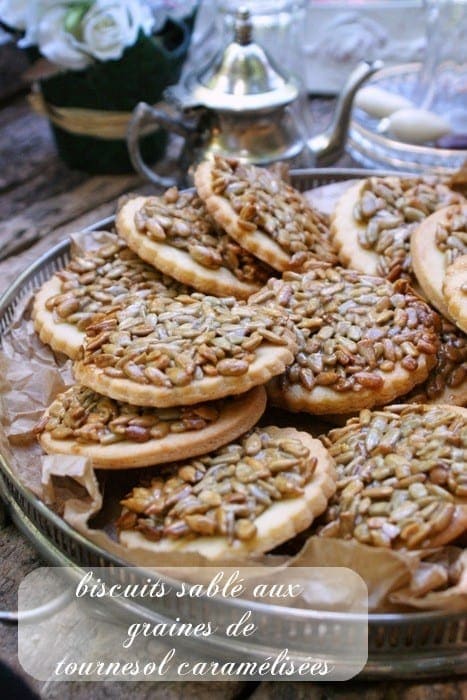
(36, 520)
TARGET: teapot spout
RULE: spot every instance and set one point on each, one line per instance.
(325, 148)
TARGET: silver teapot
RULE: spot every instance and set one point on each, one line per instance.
(242, 105)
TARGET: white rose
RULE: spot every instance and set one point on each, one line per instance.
(73, 35)
(25, 15)
(15, 12)
(57, 43)
(35, 10)
(109, 27)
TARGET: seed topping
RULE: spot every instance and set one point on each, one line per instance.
(181, 220)
(401, 476)
(352, 329)
(82, 415)
(265, 203)
(101, 279)
(220, 494)
(172, 342)
(450, 370)
(451, 234)
(391, 208)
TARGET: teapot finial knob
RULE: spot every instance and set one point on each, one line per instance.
(243, 27)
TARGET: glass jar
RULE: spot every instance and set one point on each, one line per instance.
(442, 84)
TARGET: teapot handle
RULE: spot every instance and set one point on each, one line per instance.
(144, 117)
(328, 146)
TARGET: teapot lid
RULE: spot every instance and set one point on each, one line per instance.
(242, 77)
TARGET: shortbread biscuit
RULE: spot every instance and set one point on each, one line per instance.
(455, 291)
(447, 381)
(264, 214)
(117, 435)
(363, 341)
(435, 244)
(170, 352)
(246, 498)
(176, 234)
(92, 284)
(402, 477)
(373, 221)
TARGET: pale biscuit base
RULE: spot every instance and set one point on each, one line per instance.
(62, 337)
(428, 260)
(270, 360)
(345, 230)
(256, 242)
(279, 523)
(455, 279)
(178, 263)
(323, 400)
(236, 417)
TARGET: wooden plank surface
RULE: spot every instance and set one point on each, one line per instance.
(41, 201)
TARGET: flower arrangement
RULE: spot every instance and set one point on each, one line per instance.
(106, 56)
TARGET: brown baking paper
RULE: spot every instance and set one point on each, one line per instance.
(445, 570)
(31, 376)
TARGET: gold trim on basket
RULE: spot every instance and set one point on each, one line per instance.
(98, 123)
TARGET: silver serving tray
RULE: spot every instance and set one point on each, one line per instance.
(418, 644)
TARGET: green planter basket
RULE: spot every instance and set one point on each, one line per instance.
(142, 74)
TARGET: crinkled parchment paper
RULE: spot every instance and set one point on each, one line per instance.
(31, 376)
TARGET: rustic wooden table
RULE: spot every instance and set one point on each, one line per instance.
(42, 201)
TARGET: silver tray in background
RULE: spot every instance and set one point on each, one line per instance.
(400, 645)
(373, 149)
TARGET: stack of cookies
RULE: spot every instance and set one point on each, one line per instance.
(209, 302)
(414, 229)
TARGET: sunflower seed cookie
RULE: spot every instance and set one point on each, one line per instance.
(435, 244)
(91, 284)
(374, 219)
(402, 477)
(170, 352)
(447, 381)
(455, 291)
(175, 233)
(246, 498)
(362, 340)
(117, 435)
(264, 214)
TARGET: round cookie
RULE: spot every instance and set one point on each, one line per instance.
(447, 381)
(263, 213)
(175, 233)
(374, 219)
(60, 334)
(91, 284)
(402, 477)
(435, 244)
(363, 341)
(455, 291)
(116, 435)
(246, 498)
(171, 352)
